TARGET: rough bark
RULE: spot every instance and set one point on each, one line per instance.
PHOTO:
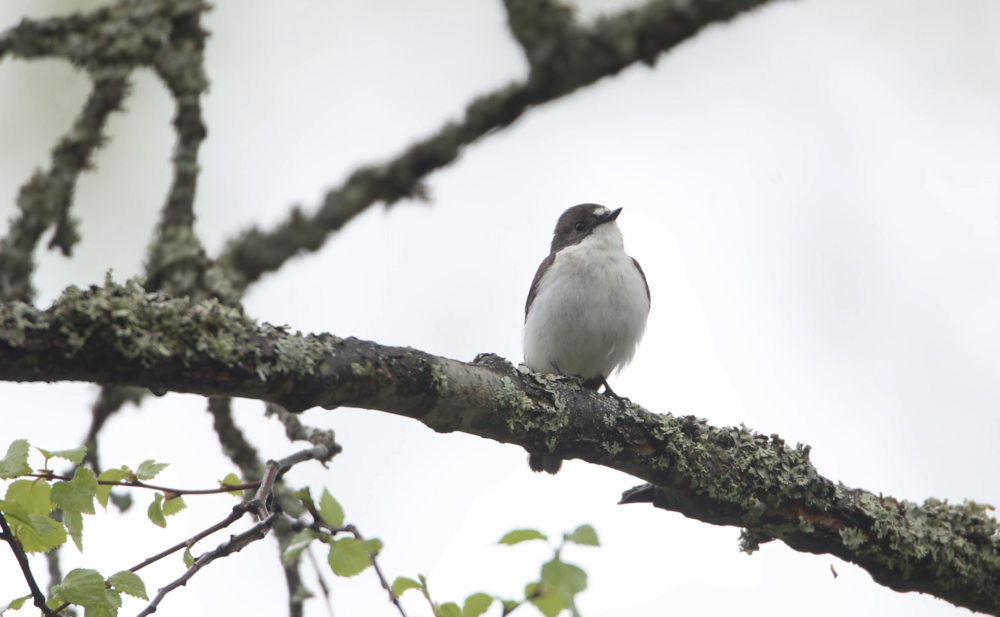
(124, 336)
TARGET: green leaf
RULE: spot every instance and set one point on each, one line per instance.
(84, 588)
(130, 583)
(232, 480)
(78, 494)
(42, 524)
(155, 511)
(476, 605)
(114, 598)
(402, 583)
(188, 557)
(16, 513)
(104, 490)
(584, 535)
(509, 606)
(348, 557)
(565, 579)
(549, 604)
(128, 475)
(74, 456)
(304, 496)
(449, 609)
(37, 533)
(74, 525)
(173, 506)
(373, 547)
(522, 535)
(16, 462)
(149, 468)
(330, 511)
(14, 605)
(32, 495)
(298, 544)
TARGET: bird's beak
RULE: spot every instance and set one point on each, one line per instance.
(610, 216)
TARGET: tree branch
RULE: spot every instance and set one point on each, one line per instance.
(320, 526)
(45, 199)
(564, 56)
(244, 455)
(235, 544)
(720, 475)
(109, 43)
(22, 560)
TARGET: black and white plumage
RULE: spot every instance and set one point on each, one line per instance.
(587, 308)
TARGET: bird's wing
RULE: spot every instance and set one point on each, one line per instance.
(637, 267)
(548, 261)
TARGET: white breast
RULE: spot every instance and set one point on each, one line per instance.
(589, 311)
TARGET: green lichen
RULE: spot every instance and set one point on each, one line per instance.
(147, 327)
(15, 318)
(363, 370)
(517, 403)
(751, 540)
(755, 508)
(609, 420)
(297, 353)
(439, 381)
(552, 384)
(612, 448)
(853, 538)
(151, 327)
(524, 415)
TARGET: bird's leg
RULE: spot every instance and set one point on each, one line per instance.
(607, 390)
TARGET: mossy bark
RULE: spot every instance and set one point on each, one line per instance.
(122, 335)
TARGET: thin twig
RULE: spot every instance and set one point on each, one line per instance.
(321, 526)
(381, 577)
(295, 430)
(319, 578)
(238, 511)
(259, 502)
(319, 453)
(176, 491)
(234, 545)
(244, 455)
(22, 560)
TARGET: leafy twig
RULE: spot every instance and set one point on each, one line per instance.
(174, 491)
(319, 525)
(233, 545)
(22, 560)
(238, 511)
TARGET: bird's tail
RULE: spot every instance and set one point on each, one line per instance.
(544, 462)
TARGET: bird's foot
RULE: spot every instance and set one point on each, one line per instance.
(622, 400)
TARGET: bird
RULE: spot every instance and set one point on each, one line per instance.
(587, 307)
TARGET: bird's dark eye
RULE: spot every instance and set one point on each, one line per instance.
(580, 226)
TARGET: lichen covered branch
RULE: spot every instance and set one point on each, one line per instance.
(45, 199)
(564, 56)
(244, 455)
(108, 43)
(720, 475)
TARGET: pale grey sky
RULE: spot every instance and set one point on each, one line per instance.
(812, 191)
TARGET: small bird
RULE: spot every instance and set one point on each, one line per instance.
(587, 307)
